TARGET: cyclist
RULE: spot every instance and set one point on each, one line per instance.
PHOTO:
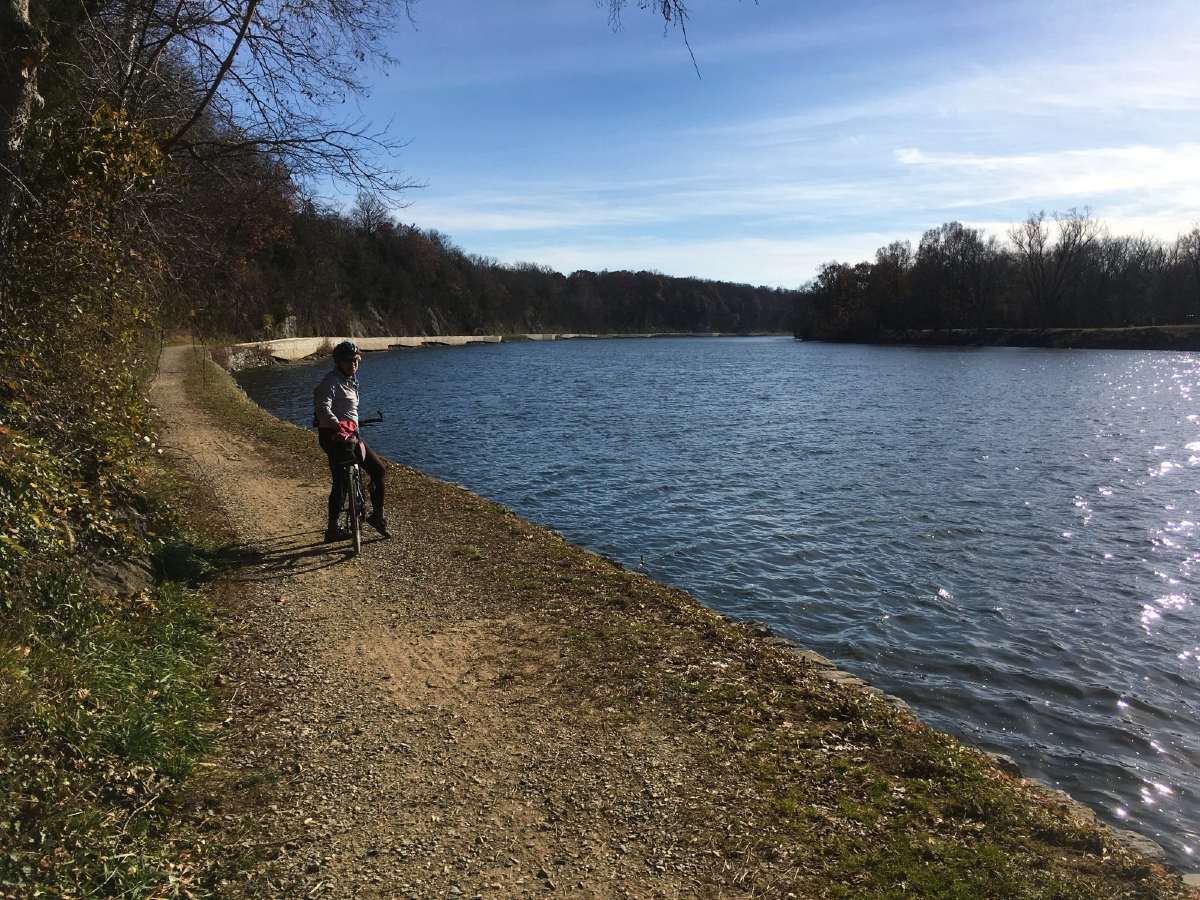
(335, 404)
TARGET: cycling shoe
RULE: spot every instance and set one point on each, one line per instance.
(378, 521)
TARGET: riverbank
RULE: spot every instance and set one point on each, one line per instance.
(479, 707)
(1149, 337)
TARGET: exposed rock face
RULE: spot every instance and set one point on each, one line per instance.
(124, 577)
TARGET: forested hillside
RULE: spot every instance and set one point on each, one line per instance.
(303, 270)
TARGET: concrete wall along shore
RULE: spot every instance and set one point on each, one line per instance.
(292, 349)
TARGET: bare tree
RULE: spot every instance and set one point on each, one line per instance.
(673, 12)
(891, 282)
(1187, 250)
(370, 214)
(22, 49)
(222, 78)
(1047, 267)
(1031, 240)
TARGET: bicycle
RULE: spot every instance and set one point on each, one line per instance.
(355, 509)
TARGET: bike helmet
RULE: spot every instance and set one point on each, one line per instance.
(346, 350)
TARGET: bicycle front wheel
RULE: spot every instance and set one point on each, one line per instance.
(356, 508)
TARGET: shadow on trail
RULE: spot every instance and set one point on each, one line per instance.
(268, 559)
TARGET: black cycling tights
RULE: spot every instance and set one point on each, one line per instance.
(337, 491)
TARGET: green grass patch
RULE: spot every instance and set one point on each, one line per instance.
(107, 700)
(105, 711)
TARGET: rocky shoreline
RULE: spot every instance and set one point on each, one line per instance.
(1080, 812)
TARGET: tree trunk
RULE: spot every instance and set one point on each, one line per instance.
(21, 49)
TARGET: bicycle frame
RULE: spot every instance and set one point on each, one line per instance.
(355, 503)
(355, 510)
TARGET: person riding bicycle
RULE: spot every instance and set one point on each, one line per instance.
(335, 405)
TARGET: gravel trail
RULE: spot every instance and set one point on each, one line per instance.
(381, 690)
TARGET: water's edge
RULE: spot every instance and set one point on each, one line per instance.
(828, 670)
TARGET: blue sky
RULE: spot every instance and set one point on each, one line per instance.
(816, 131)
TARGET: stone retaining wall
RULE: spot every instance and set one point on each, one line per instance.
(292, 349)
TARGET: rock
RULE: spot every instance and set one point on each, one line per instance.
(1005, 763)
(1142, 844)
(124, 578)
(815, 659)
(1192, 880)
(839, 677)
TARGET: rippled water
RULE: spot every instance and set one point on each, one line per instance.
(1006, 538)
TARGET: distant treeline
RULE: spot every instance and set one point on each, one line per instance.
(1063, 272)
(324, 272)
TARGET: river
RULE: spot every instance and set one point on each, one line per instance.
(1006, 538)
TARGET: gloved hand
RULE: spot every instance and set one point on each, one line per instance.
(346, 430)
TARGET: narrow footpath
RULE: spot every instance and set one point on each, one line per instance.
(384, 693)
(478, 708)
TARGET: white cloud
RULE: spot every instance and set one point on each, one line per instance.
(600, 203)
(1156, 185)
(1159, 175)
(1159, 79)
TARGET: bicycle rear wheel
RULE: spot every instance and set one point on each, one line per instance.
(356, 508)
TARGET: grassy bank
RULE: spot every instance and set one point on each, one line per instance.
(806, 785)
(107, 702)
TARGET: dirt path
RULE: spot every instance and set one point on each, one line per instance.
(381, 688)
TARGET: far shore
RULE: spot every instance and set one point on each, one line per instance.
(1143, 337)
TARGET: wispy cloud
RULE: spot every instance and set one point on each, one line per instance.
(604, 203)
(1159, 174)
(992, 100)
(918, 182)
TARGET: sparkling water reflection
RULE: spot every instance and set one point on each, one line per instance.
(1005, 538)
